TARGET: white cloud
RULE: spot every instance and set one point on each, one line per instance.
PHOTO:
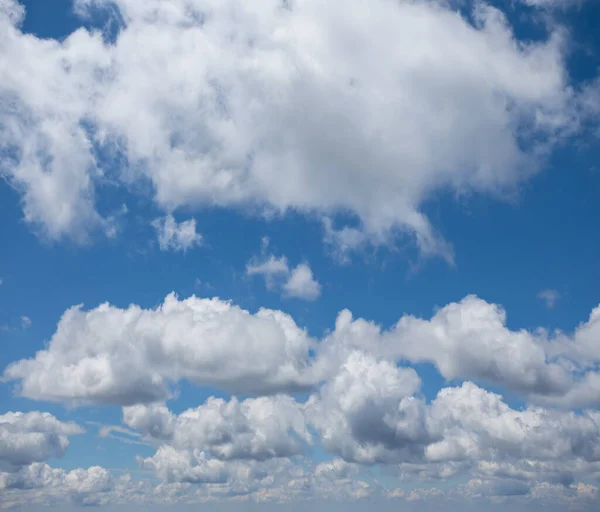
(256, 428)
(25, 322)
(469, 340)
(298, 111)
(270, 486)
(32, 437)
(301, 283)
(550, 297)
(297, 282)
(176, 236)
(369, 414)
(133, 355)
(272, 269)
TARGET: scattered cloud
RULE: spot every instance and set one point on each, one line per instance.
(549, 297)
(301, 283)
(297, 282)
(290, 108)
(173, 236)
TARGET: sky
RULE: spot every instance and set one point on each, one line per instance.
(290, 253)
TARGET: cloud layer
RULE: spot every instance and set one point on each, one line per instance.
(135, 355)
(364, 408)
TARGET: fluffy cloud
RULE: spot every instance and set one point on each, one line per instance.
(41, 484)
(298, 282)
(32, 437)
(469, 340)
(271, 486)
(368, 414)
(176, 236)
(301, 283)
(475, 424)
(296, 111)
(132, 355)
(256, 428)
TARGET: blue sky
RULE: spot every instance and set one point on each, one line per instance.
(282, 159)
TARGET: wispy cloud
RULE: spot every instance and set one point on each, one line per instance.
(549, 296)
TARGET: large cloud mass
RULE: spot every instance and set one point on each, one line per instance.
(282, 105)
(135, 355)
(126, 356)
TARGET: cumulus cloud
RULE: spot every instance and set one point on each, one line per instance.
(176, 236)
(41, 484)
(301, 283)
(133, 355)
(32, 437)
(271, 486)
(255, 428)
(298, 111)
(297, 282)
(368, 414)
(469, 340)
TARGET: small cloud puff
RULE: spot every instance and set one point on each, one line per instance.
(177, 237)
(297, 282)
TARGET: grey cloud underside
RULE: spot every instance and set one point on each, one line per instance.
(32, 437)
(306, 107)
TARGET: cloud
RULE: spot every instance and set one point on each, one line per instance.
(271, 269)
(301, 283)
(255, 428)
(368, 413)
(176, 237)
(273, 486)
(297, 282)
(25, 322)
(550, 297)
(134, 355)
(32, 437)
(297, 112)
(41, 484)
(469, 340)
(555, 4)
